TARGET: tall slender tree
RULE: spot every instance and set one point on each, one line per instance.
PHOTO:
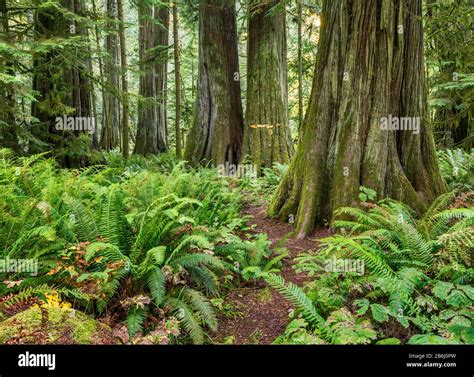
(267, 134)
(153, 44)
(177, 79)
(111, 114)
(124, 67)
(217, 131)
(8, 134)
(300, 65)
(162, 14)
(369, 72)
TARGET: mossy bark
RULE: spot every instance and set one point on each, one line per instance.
(153, 38)
(62, 83)
(267, 136)
(370, 65)
(217, 132)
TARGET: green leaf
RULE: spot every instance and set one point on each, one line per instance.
(457, 299)
(156, 282)
(389, 341)
(429, 339)
(379, 312)
(442, 289)
(363, 305)
(158, 254)
(252, 272)
(468, 290)
(136, 317)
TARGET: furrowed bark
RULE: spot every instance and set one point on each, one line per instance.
(266, 134)
(111, 119)
(370, 66)
(153, 38)
(217, 131)
(63, 89)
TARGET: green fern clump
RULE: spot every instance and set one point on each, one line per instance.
(145, 227)
(252, 258)
(408, 255)
(417, 272)
(457, 168)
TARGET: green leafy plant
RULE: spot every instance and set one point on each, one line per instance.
(366, 194)
(252, 258)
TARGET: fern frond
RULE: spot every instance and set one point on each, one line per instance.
(187, 318)
(156, 283)
(199, 302)
(296, 296)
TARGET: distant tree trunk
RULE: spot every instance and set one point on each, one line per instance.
(111, 119)
(267, 134)
(8, 132)
(153, 34)
(177, 79)
(72, 89)
(217, 131)
(123, 62)
(451, 122)
(162, 13)
(370, 67)
(300, 67)
(147, 124)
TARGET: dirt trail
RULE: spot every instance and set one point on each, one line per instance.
(261, 313)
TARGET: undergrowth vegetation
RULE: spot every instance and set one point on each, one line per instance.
(416, 285)
(150, 247)
(147, 240)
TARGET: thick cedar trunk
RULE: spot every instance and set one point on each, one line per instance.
(111, 119)
(58, 85)
(217, 131)
(267, 135)
(370, 65)
(177, 79)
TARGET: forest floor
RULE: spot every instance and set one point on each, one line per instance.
(257, 314)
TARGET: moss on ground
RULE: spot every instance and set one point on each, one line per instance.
(53, 325)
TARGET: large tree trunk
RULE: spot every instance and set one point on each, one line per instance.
(61, 86)
(217, 131)
(370, 65)
(111, 119)
(153, 34)
(267, 135)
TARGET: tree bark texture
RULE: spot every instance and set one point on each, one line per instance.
(62, 84)
(217, 133)
(370, 66)
(111, 119)
(153, 38)
(267, 137)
